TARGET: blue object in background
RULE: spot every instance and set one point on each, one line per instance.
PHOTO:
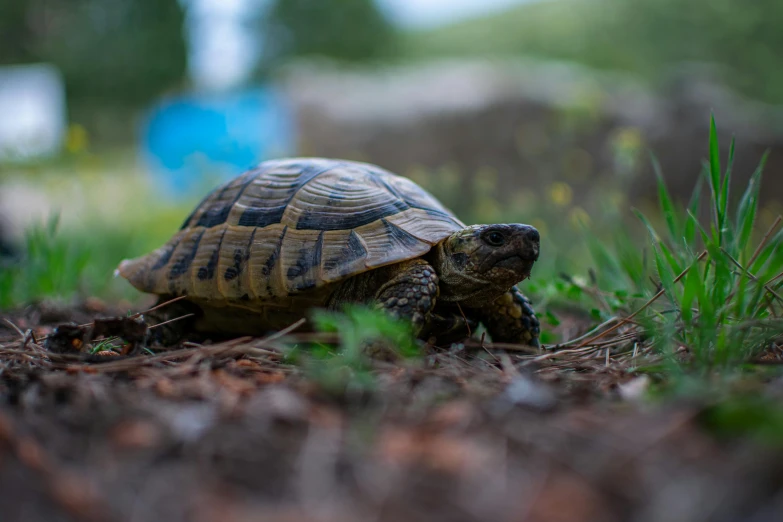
(194, 141)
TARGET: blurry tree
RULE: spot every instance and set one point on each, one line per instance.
(117, 52)
(15, 32)
(642, 36)
(351, 30)
(745, 37)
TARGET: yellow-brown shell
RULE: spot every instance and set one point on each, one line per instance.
(290, 226)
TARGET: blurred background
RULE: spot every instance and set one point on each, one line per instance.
(117, 116)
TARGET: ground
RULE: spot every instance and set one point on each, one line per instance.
(236, 430)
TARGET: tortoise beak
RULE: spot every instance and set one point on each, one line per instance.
(518, 264)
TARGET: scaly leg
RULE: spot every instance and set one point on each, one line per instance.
(511, 319)
(410, 293)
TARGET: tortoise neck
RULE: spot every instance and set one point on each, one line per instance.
(458, 285)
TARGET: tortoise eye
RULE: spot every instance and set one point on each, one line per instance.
(495, 238)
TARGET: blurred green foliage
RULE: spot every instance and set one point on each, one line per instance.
(50, 266)
(743, 36)
(345, 369)
(101, 209)
(124, 53)
(129, 51)
(643, 36)
(348, 30)
(758, 417)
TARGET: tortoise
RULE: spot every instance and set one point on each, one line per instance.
(295, 234)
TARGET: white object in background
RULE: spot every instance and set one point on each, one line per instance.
(223, 45)
(32, 111)
(422, 14)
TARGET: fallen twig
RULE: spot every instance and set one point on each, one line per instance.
(194, 354)
(170, 321)
(159, 305)
(764, 240)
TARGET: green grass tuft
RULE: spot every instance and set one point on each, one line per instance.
(50, 266)
(720, 301)
(345, 367)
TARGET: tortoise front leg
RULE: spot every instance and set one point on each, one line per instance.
(410, 293)
(511, 319)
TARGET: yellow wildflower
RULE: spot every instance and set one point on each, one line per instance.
(76, 139)
(560, 194)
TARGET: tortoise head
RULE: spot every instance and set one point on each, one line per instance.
(481, 262)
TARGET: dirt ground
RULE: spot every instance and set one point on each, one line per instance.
(232, 432)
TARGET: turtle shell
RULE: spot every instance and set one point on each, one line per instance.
(290, 226)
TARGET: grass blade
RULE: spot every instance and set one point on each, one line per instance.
(724, 189)
(746, 212)
(692, 290)
(664, 199)
(715, 171)
(764, 244)
(608, 263)
(689, 229)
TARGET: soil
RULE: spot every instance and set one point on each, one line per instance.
(232, 431)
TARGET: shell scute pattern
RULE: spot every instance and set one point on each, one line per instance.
(264, 275)
(300, 260)
(341, 200)
(233, 267)
(289, 226)
(344, 254)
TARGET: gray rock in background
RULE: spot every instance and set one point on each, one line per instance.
(528, 122)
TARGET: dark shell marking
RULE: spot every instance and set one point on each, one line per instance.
(182, 263)
(240, 259)
(208, 272)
